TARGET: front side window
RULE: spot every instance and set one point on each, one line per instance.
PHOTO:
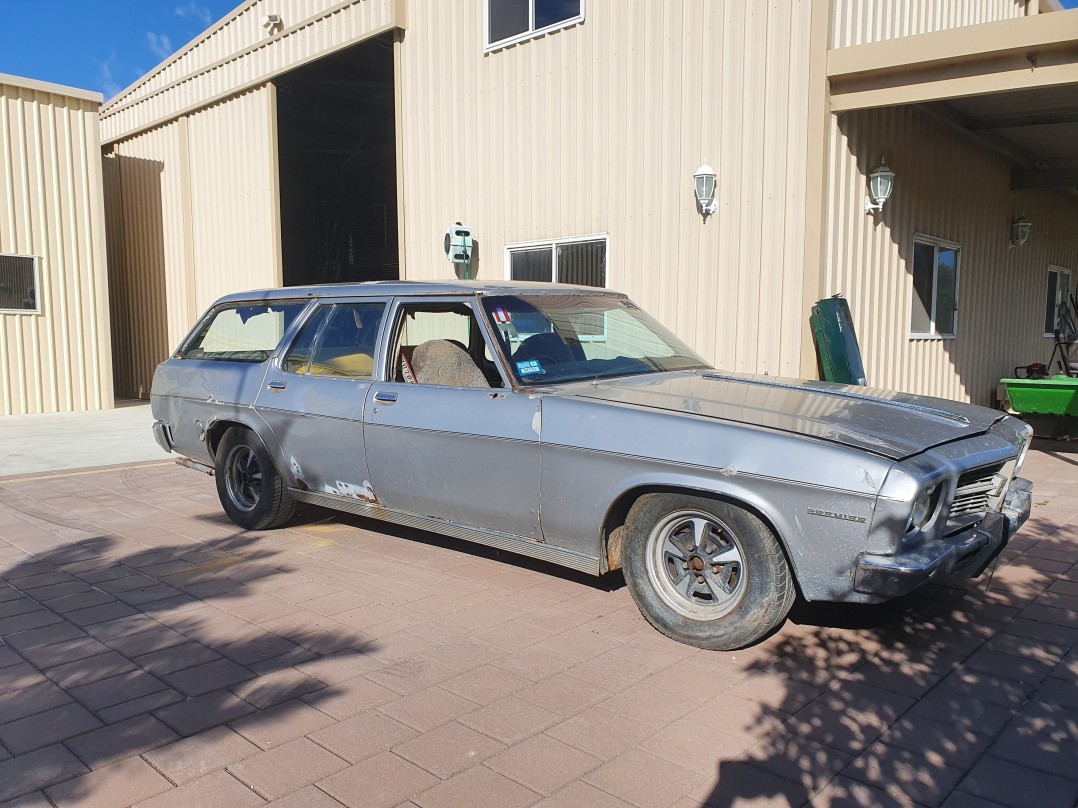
(245, 332)
(935, 288)
(338, 340)
(19, 282)
(581, 262)
(510, 21)
(550, 339)
(441, 344)
(1058, 294)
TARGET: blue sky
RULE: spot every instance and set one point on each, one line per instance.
(101, 45)
(104, 45)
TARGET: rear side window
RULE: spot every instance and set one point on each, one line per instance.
(338, 340)
(243, 333)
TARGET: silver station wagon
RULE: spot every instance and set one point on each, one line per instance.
(566, 424)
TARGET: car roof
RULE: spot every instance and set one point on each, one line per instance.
(415, 288)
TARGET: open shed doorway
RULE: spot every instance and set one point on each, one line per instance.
(337, 163)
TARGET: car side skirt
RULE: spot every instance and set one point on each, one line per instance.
(502, 541)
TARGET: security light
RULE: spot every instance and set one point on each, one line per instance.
(704, 190)
(880, 184)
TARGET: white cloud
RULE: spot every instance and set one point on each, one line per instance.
(160, 45)
(193, 11)
(106, 76)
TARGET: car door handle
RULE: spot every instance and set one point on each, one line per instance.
(276, 386)
(385, 398)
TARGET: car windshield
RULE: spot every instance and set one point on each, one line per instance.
(551, 339)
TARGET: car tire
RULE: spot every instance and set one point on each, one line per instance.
(705, 572)
(253, 493)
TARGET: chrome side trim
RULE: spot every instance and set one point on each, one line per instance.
(502, 541)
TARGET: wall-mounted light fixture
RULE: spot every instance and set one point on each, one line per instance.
(704, 190)
(1020, 230)
(272, 23)
(880, 184)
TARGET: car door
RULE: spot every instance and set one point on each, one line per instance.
(314, 394)
(457, 443)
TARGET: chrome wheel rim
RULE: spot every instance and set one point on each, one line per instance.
(696, 565)
(243, 478)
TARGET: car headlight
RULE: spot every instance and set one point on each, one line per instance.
(924, 507)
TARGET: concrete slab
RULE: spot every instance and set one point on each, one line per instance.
(38, 444)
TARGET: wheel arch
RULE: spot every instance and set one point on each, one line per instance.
(217, 429)
(618, 512)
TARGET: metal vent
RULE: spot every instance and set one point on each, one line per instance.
(974, 489)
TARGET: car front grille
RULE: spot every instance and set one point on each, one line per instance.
(973, 491)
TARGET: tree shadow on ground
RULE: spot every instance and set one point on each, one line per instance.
(109, 650)
(950, 690)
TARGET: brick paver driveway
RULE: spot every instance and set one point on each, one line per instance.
(153, 654)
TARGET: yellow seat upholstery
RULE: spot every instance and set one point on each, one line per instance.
(355, 365)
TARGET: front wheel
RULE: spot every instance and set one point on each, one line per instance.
(705, 572)
(252, 493)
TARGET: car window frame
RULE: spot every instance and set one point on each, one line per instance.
(214, 310)
(391, 339)
(277, 360)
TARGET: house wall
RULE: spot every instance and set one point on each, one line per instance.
(193, 214)
(51, 207)
(599, 128)
(951, 188)
(858, 22)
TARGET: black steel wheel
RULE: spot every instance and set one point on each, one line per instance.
(252, 492)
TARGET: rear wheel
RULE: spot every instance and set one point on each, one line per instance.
(705, 572)
(253, 494)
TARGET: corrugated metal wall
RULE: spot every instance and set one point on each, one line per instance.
(192, 210)
(599, 129)
(50, 207)
(238, 53)
(858, 22)
(948, 187)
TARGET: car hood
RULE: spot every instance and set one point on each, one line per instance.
(886, 423)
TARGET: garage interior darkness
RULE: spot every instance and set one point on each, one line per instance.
(337, 164)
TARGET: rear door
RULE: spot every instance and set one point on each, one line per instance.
(313, 396)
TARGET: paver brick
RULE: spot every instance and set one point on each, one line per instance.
(363, 736)
(121, 784)
(287, 768)
(202, 712)
(281, 723)
(110, 744)
(42, 729)
(381, 781)
(510, 720)
(543, 764)
(428, 708)
(200, 679)
(116, 689)
(191, 758)
(449, 749)
(1017, 786)
(600, 732)
(477, 786)
(90, 669)
(217, 789)
(35, 770)
(35, 698)
(276, 687)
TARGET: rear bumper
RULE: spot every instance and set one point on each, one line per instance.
(968, 553)
(162, 435)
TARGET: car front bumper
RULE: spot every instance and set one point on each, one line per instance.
(967, 553)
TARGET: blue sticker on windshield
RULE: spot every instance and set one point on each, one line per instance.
(529, 368)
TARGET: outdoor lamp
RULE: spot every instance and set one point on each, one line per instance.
(705, 190)
(1020, 230)
(880, 184)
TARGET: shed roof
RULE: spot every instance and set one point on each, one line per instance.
(48, 87)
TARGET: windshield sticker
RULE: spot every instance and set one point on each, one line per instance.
(501, 316)
(529, 368)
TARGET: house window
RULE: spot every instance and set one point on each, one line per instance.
(19, 284)
(581, 262)
(1059, 291)
(935, 288)
(510, 21)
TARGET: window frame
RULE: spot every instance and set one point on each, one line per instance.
(206, 319)
(532, 32)
(327, 304)
(37, 259)
(936, 243)
(554, 243)
(1058, 270)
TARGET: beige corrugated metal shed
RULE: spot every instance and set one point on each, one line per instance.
(311, 140)
(55, 353)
